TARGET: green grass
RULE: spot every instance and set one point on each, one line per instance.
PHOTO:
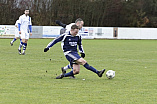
(30, 78)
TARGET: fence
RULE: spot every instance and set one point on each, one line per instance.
(8, 31)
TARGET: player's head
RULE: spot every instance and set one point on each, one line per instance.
(74, 30)
(26, 11)
(79, 22)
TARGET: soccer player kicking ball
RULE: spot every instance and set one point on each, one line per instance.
(17, 35)
(69, 45)
(25, 28)
(66, 28)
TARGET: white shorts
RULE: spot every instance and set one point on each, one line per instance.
(17, 32)
(24, 35)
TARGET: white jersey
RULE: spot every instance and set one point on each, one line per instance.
(68, 27)
(24, 21)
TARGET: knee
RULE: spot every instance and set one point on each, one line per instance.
(24, 40)
(83, 62)
(76, 72)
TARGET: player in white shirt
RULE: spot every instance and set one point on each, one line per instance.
(66, 28)
(17, 35)
(25, 29)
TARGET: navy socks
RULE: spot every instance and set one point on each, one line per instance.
(90, 68)
(69, 74)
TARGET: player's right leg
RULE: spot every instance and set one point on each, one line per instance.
(64, 69)
(11, 43)
(71, 57)
(21, 42)
(20, 46)
(17, 35)
(76, 70)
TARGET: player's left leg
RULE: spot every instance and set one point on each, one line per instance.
(22, 40)
(25, 43)
(83, 62)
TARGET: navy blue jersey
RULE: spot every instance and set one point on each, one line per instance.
(69, 43)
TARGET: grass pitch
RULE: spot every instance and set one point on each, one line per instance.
(30, 78)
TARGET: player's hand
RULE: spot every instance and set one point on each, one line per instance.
(30, 34)
(58, 22)
(82, 55)
(46, 49)
(19, 32)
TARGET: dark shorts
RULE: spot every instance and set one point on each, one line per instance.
(62, 31)
(72, 57)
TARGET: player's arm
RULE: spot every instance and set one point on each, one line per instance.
(60, 23)
(30, 26)
(19, 28)
(30, 29)
(19, 24)
(16, 24)
(80, 46)
(56, 40)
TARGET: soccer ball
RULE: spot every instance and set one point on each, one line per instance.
(110, 74)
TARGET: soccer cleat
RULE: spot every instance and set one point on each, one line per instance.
(11, 43)
(100, 73)
(63, 71)
(19, 52)
(60, 76)
(23, 53)
(72, 77)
